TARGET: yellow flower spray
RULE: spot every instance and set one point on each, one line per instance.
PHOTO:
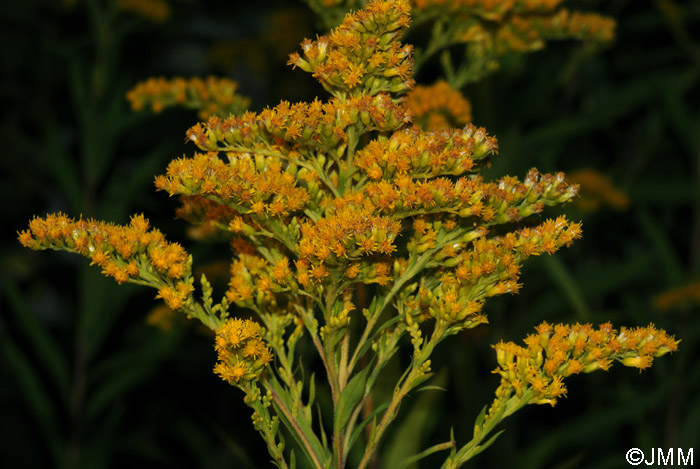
(325, 202)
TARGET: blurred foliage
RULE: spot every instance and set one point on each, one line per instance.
(86, 382)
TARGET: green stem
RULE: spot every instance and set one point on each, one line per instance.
(368, 391)
(512, 405)
(295, 425)
(335, 362)
(410, 272)
(343, 368)
(196, 310)
(438, 41)
(309, 324)
(267, 435)
(318, 169)
(408, 384)
(329, 347)
(383, 424)
(340, 434)
(433, 449)
(282, 355)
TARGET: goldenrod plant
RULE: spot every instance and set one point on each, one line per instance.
(438, 106)
(485, 31)
(361, 235)
(212, 96)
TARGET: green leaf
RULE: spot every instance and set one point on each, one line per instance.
(34, 392)
(122, 372)
(97, 316)
(377, 333)
(406, 441)
(61, 167)
(120, 192)
(312, 390)
(99, 445)
(682, 117)
(324, 439)
(560, 275)
(663, 247)
(421, 379)
(349, 398)
(117, 386)
(47, 351)
(298, 427)
(431, 387)
(239, 451)
(490, 441)
(480, 419)
(425, 453)
(358, 429)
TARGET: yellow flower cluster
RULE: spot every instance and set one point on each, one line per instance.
(425, 154)
(556, 352)
(502, 201)
(255, 282)
(438, 106)
(527, 19)
(351, 242)
(344, 236)
(301, 126)
(528, 33)
(362, 55)
(597, 190)
(212, 96)
(242, 354)
(247, 185)
(490, 8)
(495, 28)
(688, 294)
(157, 11)
(126, 253)
(455, 294)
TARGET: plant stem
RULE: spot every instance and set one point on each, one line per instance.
(386, 419)
(343, 368)
(472, 448)
(417, 266)
(408, 384)
(309, 324)
(268, 436)
(294, 424)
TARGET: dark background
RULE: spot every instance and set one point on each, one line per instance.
(85, 382)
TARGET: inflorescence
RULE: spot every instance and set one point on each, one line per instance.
(371, 190)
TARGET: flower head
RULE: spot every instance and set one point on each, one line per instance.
(438, 106)
(211, 96)
(361, 56)
(130, 252)
(556, 353)
(242, 353)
